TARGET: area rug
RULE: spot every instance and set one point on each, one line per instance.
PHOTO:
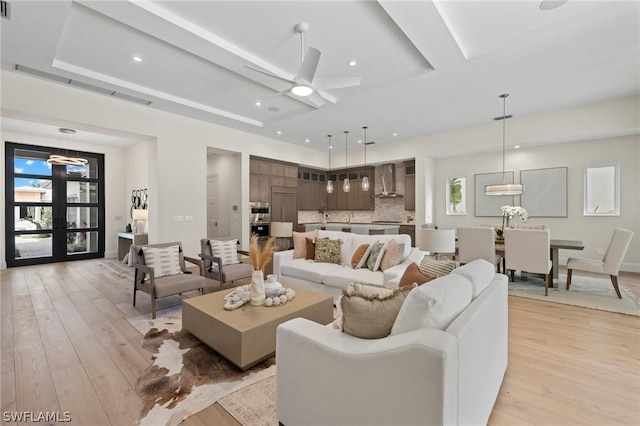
(585, 291)
(186, 375)
(254, 405)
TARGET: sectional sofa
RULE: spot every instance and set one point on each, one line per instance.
(331, 278)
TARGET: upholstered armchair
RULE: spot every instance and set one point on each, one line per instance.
(160, 271)
(224, 265)
(477, 242)
(610, 263)
(528, 250)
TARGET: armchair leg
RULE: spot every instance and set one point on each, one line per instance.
(569, 278)
(547, 280)
(153, 304)
(614, 281)
(512, 273)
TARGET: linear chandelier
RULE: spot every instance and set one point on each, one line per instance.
(504, 188)
(66, 160)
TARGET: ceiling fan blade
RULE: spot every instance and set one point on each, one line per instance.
(316, 99)
(282, 92)
(335, 83)
(271, 75)
(309, 65)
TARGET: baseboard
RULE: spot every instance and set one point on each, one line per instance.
(112, 254)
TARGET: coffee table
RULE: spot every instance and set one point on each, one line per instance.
(247, 335)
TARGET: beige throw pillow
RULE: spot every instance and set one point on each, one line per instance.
(300, 243)
(392, 255)
(368, 311)
(165, 261)
(436, 268)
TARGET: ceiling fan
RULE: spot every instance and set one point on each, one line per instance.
(305, 84)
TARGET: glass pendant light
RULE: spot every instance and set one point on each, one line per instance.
(365, 179)
(329, 183)
(346, 186)
(504, 188)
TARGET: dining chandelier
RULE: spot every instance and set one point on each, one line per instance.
(66, 160)
(365, 179)
(346, 186)
(329, 182)
(504, 188)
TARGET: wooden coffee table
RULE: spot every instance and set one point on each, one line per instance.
(247, 335)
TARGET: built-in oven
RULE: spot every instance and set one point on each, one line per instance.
(260, 219)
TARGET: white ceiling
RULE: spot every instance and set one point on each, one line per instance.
(426, 66)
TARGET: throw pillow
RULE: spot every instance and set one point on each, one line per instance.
(392, 255)
(226, 250)
(413, 275)
(375, 256)
(300, 243)
(368, 312)
(311, 249)
(435, 305)
(356, 259)
(436, 268)
(328, 251)
(164, 260)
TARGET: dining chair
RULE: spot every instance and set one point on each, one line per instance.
(610, 263)
(477, 242)
(528, 250)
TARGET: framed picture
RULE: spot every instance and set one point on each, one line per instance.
(545, 192)
(489, 205)
(456, 190)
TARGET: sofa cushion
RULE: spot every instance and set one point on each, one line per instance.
(342, 276)
(479, 272)
(434, 305)
(300, 243)
(436, 268)
(413, 275)
(392, 255)
(375, 256)
(328, 251)
(165, 261)
(360, 255)
(308, 269)
(368, 312)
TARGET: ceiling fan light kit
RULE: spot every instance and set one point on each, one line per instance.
(301, 90)
(504, 188)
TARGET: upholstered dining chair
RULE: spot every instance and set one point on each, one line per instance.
(610, 263)
(221, 260)
(160, 271)
(477, 242)
(528, 250)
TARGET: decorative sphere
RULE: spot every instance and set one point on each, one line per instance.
(283, 299)
(289, 296)
(268, 301)
(276, 301)
(292, 292)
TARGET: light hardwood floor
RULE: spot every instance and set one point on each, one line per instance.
(66, 345)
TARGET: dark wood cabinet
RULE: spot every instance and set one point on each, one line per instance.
(265, 174)
(259, 188)
(410, 192)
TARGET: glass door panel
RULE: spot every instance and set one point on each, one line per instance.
(29, 246)
(82, 192)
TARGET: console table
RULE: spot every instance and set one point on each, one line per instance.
(127, 239)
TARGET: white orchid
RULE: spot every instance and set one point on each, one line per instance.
(511, 211)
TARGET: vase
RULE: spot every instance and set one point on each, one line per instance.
(272, 288)
(324, 219)
(257, 288)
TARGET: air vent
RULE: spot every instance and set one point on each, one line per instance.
(4, 9)
(91, 87)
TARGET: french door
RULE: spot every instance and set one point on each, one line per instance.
(53, 213)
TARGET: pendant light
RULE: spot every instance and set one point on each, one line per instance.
(504, 188)
(66, 160)
(346, 186)
(365, 179)
(329, 183)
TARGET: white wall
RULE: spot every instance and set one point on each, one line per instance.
(138, 172)
(594, 231)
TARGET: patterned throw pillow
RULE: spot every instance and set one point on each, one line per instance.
(369, 312)
(360, 256)
(227, 250)
(164, 260)
(436, 268)
(300, 243)
(375, 256)
(328, 251)
(392, 255)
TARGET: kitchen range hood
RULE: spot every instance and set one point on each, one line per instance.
(388, 178)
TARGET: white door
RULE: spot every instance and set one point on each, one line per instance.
(212, 206)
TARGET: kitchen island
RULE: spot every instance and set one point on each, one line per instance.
(356, 228)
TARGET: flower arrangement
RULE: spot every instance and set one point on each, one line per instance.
(511, 211)
(322, 209)
(260, 257)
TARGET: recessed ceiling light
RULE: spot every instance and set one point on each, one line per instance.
(516, 146)
(306, 140)
(359, 140)
(258, 103)
(352, 63)
(551, 4)
(395, 134)
(279, 132)
(137, 58)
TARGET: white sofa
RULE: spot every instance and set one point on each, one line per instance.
(331, 278)
(431, 375)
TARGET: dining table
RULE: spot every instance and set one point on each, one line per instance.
(554, 251)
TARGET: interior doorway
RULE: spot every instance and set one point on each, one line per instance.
(212, 206)
(224, 194)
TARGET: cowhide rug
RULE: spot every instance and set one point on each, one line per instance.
(187, 376)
